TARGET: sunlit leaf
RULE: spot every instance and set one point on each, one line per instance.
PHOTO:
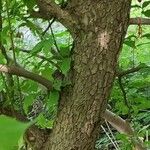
(146, 35)
(10, 133)
(30, 4)
(146, 3)
(146, 13)
(130, 43)
(65, 65)
(44, 44)
(53, 98)
(27, 102)
(57, 84)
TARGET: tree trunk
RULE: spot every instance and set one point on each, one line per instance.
(98, 41)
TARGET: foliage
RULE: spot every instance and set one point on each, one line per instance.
(11, 132)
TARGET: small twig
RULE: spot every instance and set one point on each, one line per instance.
(135, 21)
(124, 94)
(55, 42)
(41, 57)
(49, 25)
(2, 48)
(11, 32)
(147, 137)
(13, 46)
(9, 78)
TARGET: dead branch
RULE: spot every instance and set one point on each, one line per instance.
(122, 126)
(138, 20)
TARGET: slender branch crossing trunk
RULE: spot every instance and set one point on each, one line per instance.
(98, 41)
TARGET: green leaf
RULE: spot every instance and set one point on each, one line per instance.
(146, 13)
(61, 34)
(126, 144)
(27, 102)
(57, 84)
(145, 4)
(47, 72)
(53, 99)
(135, 6)
(144, 105)
(4, 35)
(47, 44)
(65, 51)
(41, 120)
(130, 43)
(124, 109)
(44, 44)
(33, 27)
(10, 133)
(44, 123)
(29, 85)
(37, 48)
(65, 65)
(2, 59)
(30, 4)
(146, 35)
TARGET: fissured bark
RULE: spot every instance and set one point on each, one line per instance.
(98, 41)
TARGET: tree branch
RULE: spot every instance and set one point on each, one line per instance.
(122, 126)
(15, 70)
(49, 9)
(138, 20)
(132, 70)
(7, 111)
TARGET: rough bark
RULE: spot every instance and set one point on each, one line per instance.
(35, 137)
(98, 40)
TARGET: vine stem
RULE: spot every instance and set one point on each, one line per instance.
(12, 44)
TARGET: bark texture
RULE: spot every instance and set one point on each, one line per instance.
(98, 39)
